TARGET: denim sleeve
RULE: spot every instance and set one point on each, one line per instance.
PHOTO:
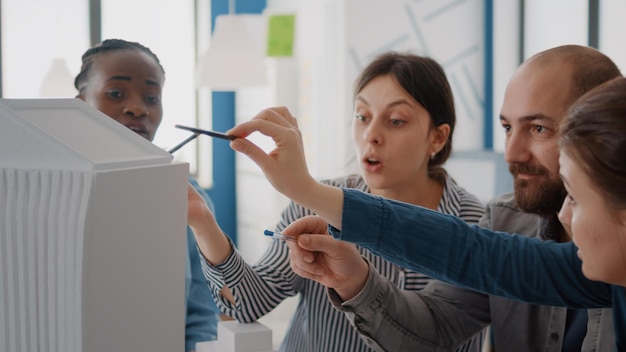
(202, 312)
(446, 248)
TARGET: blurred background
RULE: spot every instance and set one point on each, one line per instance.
(310, 52)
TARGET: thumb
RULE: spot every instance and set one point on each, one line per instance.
(320, 243)
(308, 224)
(252, 151)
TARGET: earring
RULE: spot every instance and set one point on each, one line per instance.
(432, 155)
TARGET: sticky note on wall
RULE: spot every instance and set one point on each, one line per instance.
(280, 35)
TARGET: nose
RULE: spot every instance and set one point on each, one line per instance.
(516, 148)
(565, 217)
(372, 134)
(136, 107)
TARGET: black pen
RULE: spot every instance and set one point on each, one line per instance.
(189, 139)
(207, 132)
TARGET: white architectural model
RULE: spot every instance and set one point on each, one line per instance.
(233, 336)
(92, 233)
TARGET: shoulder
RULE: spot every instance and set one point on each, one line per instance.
(457, 201)
(503, 214)
(465, 197)
(505, 201)
(505, 205)
(194, 183)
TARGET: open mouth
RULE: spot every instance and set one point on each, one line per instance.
(140, 131)
(372, 161)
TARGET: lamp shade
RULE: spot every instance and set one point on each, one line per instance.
(58, 81)
(234, 59)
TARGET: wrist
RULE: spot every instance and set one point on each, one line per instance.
(355, 284)
(303, 192)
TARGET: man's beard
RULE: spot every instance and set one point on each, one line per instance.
(543, 196)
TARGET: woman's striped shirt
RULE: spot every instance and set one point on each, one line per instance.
(316, 326)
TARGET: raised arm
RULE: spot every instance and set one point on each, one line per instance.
(446, 248)
(285, 166)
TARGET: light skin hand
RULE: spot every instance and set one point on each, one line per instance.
(211, 240)
(317, 256)
(285, 166)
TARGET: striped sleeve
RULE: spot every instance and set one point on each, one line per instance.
(257, 288)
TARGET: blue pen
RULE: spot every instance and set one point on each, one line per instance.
(278, 235)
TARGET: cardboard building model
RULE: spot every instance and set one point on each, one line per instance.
(92, 233)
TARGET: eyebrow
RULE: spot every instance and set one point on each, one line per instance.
(534, 117)
(390, 105)
(128, 79)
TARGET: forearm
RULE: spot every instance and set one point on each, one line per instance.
(446, 248)
(212, 242)
(324, 200)
(214, 247)
(407, 320)
(255, 290)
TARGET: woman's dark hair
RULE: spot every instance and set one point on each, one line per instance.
(594, 135)
(105, 46)
(425, 80)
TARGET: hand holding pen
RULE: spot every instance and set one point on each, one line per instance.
(317, 256)
(285, 167)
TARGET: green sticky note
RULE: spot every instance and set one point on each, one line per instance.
(280, 35)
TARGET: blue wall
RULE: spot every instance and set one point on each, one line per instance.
(488, 117)
(224, 191)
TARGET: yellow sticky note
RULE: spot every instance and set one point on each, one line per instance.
(280, 35)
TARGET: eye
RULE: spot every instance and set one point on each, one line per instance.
(396, 122)
(570, 200)
(115, 93)
(360, 117)
(506, 127)
(540, 129)
(153, 99)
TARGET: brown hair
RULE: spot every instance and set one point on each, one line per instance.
(424, 80)
(594, 135)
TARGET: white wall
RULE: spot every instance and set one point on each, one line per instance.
(612, 28)
(506, 34)
(450, 32)
(552, 23)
